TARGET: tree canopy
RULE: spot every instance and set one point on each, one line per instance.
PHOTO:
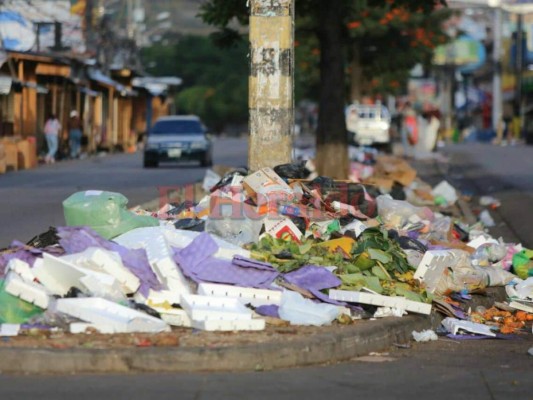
(214, 81)
(388, 37)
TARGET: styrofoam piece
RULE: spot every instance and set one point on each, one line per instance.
(480, 241)
(57, 275)
(521, 306)
(22, 268)
(117, 318)
(111, 263)
(201, 308)
(379, 300)
(255, 297)
(158, 296)
(235, 325)
(454, 325)
(172, 276)
(104, 286)
(28, 291)
(432, 267)
(9, 329)
(160, 256)
(174, 317)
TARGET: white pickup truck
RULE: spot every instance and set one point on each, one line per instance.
(368, 125)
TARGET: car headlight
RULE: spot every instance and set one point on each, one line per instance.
(198, 145)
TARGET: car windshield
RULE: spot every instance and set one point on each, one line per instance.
(177, 127)
(373, 113)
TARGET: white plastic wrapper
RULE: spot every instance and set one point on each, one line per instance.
(300, 311)
(425, 336)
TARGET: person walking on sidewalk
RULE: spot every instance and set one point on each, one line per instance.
(74, 134)
(52, 127)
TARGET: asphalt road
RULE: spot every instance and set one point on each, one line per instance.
(505, 173)
(30, 201)
(443, 370)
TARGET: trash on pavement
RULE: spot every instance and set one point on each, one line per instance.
(300, 311)
(106, 316)
(454, 326)
(446, 191)
(424, 336)
(271, 247)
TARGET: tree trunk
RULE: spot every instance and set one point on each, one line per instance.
(331, 140)
(356, 74)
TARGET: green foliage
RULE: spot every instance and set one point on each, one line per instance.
(215, 80)
(376, 262)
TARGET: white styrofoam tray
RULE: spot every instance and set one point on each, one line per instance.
(28, 291)
(255, 297)
(118, 318)
(379, 300)
(236, 325)
(431, 268)
(454, 325)
(201, 308)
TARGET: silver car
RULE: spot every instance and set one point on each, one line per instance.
(176, 138)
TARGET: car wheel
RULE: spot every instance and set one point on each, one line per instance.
(150, 162)
(207, 161)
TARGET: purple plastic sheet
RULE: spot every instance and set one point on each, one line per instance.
(78, 239)
(19, 251)
(482, 337)
(197, 263)
(268, 311)
(314, 279)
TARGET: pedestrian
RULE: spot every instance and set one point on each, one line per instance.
(409, 130)
(74, 134)
(52, 127)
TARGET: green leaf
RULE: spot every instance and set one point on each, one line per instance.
(379, 255)
(304, 248)
(381, 272)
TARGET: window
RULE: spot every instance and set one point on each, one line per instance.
(177, 127)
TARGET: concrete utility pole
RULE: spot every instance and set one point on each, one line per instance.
(271, 93)
(497, 112)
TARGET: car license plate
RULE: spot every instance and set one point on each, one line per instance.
(174, 153)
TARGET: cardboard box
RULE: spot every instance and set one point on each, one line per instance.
(283, 229)
(3, 166)
(265, 184)
(11, 153)
(26, 154)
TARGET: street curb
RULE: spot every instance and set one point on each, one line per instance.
(323, 348)
(337, 344)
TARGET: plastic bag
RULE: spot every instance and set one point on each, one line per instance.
(228, 178)
(523, 264)
(296, 170)
(300, 311)
(462, 275)
(238, 231)
(13, 310)
(439, 230)
(399, 213)
(105, 212)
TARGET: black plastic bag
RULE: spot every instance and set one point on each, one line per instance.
(190, 224)
(228, 177)
(292, 171)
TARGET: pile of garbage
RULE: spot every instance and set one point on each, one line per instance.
(262, 247)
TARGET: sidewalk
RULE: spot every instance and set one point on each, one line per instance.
(189, 350)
